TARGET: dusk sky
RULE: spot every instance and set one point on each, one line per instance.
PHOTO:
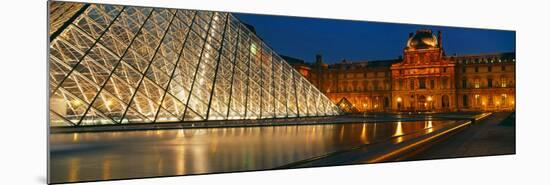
(360, 40)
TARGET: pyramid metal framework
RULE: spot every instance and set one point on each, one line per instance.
(111, 64)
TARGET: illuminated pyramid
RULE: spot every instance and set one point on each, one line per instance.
(120, 64)
(345, 105)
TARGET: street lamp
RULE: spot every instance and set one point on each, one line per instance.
(399, 103)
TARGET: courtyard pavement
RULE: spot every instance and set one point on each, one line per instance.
(494, 135)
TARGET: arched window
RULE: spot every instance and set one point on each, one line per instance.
(386, 102)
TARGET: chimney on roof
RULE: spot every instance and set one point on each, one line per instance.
(318, 59)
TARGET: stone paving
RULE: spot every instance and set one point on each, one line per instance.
(494, 135)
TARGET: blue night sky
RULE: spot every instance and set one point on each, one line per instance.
(360, 40)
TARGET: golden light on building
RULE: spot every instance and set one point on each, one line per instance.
(424, 74)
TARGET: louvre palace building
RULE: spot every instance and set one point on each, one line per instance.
(424, 79)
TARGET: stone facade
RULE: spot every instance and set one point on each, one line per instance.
(424, 79)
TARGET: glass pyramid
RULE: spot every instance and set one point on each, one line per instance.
(111, 64)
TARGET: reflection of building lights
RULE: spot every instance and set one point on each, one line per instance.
(399, 132)
(75, 137)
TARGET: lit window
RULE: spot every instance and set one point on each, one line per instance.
(476, 83)
(503, 82)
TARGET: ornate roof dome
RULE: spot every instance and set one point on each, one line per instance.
(423, 39)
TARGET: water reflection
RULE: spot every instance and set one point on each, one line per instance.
(429, 126)
(115, 155)
(399, 132)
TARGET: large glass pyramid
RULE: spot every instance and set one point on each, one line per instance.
(114, 64)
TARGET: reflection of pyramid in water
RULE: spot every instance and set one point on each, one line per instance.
(144, 65)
